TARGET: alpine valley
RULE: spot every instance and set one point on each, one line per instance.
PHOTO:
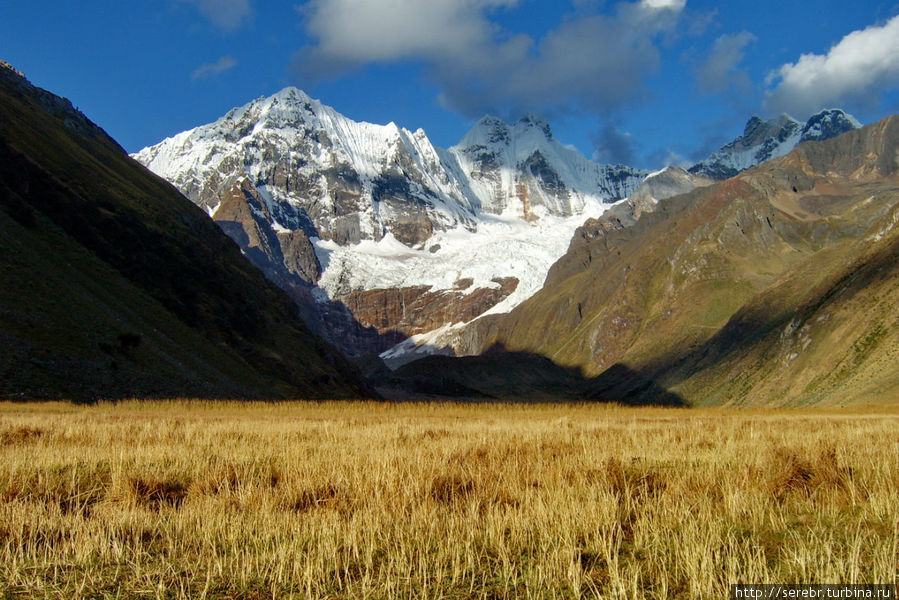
(508, 266)
(396, 247)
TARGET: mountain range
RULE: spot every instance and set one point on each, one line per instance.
(411, 241)
(764, 140)
(559, 277)
(776, 286)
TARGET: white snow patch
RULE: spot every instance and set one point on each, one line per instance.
(502, 246)
(278, 228)
(418, 346)
(656, 173)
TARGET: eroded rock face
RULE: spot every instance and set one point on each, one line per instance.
(287, 257)
(351, 337)
(299, 255)
(414, 310)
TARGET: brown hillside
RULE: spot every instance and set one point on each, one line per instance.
(777, 286)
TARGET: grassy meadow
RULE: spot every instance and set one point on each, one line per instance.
(355, 500)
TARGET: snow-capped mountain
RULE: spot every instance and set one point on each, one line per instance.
(317, 170)
(764, 140)
(348, 181)
(524, 167)
(315, 198)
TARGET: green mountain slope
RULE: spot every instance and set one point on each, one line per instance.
(115, 285)
(778, 286)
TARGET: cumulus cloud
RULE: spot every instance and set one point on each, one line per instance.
(859, 69)
(720, 72)
(211, 69)
(595, 62)
(359, 31)
(226, 14)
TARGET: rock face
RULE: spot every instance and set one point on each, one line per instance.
(415, 310)
(317, 171)
(317, 200)
(764, 140)
(776, 286)
(287, 257)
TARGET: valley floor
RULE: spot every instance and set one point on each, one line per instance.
(350, 500)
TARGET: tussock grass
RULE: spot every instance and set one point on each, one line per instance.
(332, 500)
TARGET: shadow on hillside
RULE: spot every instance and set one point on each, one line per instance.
(769, 324)
(334, 321)
(331, 320)
(502, 375)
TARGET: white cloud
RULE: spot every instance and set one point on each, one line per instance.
(859, 69)
(210, 69)
(672, 4)
(364, 31)
(593, 62)
(226, 14)
(720, 71)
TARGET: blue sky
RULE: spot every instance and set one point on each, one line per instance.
(642, 82)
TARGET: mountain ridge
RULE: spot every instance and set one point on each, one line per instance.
(343, 212)
(763, 140)
(117, 286)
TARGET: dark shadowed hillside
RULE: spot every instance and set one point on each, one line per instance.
(115, 285)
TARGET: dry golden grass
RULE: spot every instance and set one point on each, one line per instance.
(227, 500)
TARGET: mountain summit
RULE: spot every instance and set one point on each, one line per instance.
(348, 181)
(523, 163)
(764, 140)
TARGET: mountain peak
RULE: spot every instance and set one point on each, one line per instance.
(757, 130)
(488, 130)
(828, 123)
(535, 120)
(763, 140)
(292, 94)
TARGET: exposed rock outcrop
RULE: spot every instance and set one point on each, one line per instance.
(416, 310)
